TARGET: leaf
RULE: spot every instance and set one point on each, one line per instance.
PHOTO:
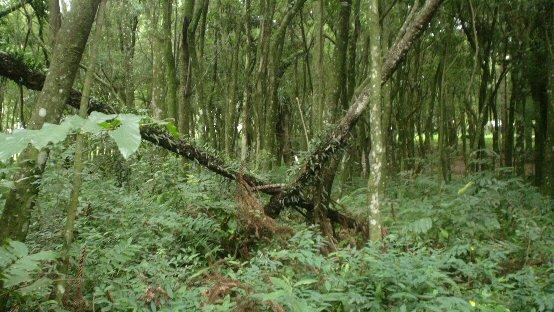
(13, 277)
(44, 256)
(12, 144)
(73, 122)
(280, 283)
(92, 124)
(19, 249)
(465, 188)
(127, 135)
(305, 282)
(7, 184)
(172, 129)
(420, 226)
(41, 285)
(272, 295)
(48, 134)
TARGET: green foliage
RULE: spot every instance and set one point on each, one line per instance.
(124, 129)
(19, 270)
(172, 236)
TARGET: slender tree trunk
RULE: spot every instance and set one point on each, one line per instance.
(340, 96)
(275, 140)
(231, 108)
(549, 153)
(169, 60)
(520, 141)
(21, 109)
(201, 71)
(377, 155)
(128, 62)
(537, 74)
(246, 131)
(185, 109)
(80, 155)
(57, 86)
(444, 147)
(157, 106)
(319, 64)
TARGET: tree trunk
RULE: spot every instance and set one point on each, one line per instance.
(509, 136)
(246, 131)
(549, 153)
(169, 60)
(377, 154)
(272, 139)
(55, 20)
(318, 115)
(185, 109)
(537, 76)
(157, 104)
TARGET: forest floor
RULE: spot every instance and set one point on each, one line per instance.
(151, 238)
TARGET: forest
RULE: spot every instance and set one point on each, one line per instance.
(277, 155)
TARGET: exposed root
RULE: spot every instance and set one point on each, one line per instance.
(250, 213)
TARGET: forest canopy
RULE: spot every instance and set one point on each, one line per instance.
(276, 155)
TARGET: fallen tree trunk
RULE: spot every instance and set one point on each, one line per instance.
(338, 137)
(16, 70)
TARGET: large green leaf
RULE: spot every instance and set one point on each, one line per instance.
(127, 135)
(12, 144)
(48, 134)
(18, 249)
(123, 129)
(92, 124)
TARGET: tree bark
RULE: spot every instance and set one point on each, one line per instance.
(55, 20)
(158, 68)
(378, 153)
(549, 159)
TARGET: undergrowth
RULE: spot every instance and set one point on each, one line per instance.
(155, 234)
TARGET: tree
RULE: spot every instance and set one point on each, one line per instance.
(377, 155)
(73, 36)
